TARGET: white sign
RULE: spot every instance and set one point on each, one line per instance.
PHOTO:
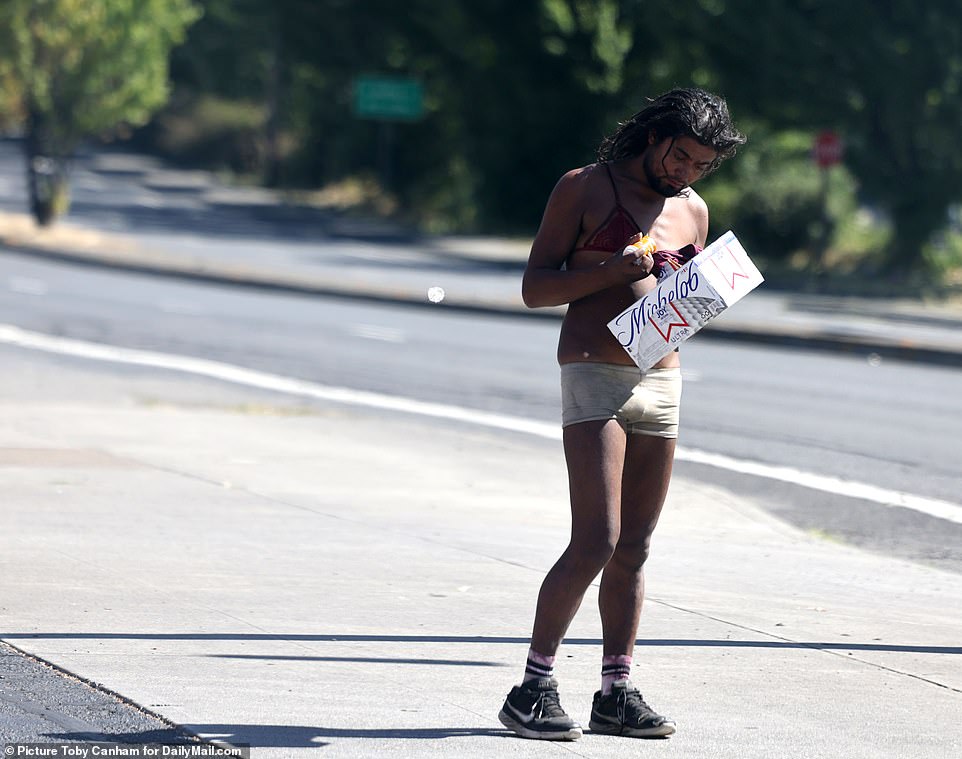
(685, 301)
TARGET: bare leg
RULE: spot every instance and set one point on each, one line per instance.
(647, 471)
(595, 454)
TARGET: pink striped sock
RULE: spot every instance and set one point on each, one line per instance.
(539, 665)
(614, 668)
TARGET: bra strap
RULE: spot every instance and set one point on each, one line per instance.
(614, 187)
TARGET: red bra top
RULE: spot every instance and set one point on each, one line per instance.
(614, 231)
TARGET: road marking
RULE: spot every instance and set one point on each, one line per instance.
(13, 335)
(931, 506)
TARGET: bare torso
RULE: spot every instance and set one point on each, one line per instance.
(671, 222)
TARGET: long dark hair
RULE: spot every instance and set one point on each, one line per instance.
(686, 112)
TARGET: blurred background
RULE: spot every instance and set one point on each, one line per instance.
(458, 118)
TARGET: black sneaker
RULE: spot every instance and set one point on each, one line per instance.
(624, 712)
(532, 710)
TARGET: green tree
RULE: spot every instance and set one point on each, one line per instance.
(79, 68)
(532, 93)
(261, 87)
(516, 93)
(886, 75)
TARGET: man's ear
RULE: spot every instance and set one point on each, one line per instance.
(652, 137)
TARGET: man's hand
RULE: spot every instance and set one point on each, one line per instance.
(635, 261)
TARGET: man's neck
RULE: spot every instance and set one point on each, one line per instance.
(633, 170)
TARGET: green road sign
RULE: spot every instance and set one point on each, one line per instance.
(388, 98)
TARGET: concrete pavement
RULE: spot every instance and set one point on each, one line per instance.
(352, 583)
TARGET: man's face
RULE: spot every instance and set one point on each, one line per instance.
(676, 163)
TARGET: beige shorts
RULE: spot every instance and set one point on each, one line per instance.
(642, 402)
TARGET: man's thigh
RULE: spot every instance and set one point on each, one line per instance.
(646, 475)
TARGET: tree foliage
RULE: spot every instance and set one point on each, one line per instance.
(885, 75)
(516, 92)
(76, 68)
(520, 90)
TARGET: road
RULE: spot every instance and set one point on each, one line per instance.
(888, 425)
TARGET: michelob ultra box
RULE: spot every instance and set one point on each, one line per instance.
(685, 301)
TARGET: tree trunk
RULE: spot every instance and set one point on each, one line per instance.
(915, 219)
(46, 175)
(272, 173)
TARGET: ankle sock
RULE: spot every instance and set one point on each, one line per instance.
(539, 665)
(613, 669)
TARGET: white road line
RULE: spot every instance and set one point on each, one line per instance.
(13, 335)
(931, 506)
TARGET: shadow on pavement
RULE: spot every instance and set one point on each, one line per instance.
(777, 643)
(366, 660)
(270, 736)
(297, 736)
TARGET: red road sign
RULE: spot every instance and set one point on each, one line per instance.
(828, 149)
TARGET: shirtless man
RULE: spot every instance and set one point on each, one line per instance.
(620, 424)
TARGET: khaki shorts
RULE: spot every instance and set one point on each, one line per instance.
(643, 402)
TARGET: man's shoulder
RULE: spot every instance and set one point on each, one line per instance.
(694, 203)
(583, 175)
(697, 208)
(579, 183)
(694, 200)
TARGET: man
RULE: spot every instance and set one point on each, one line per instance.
(620, 424)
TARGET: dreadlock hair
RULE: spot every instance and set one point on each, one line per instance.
(686, 112)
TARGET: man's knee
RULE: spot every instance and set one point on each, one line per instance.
(593, 549)
(632, 554)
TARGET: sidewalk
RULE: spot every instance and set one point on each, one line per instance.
(227, 571)
(474, 274)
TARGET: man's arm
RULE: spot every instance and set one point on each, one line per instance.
(545, 282)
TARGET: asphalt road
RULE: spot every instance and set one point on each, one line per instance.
(889, 425)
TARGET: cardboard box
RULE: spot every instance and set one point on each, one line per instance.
(685, 301)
